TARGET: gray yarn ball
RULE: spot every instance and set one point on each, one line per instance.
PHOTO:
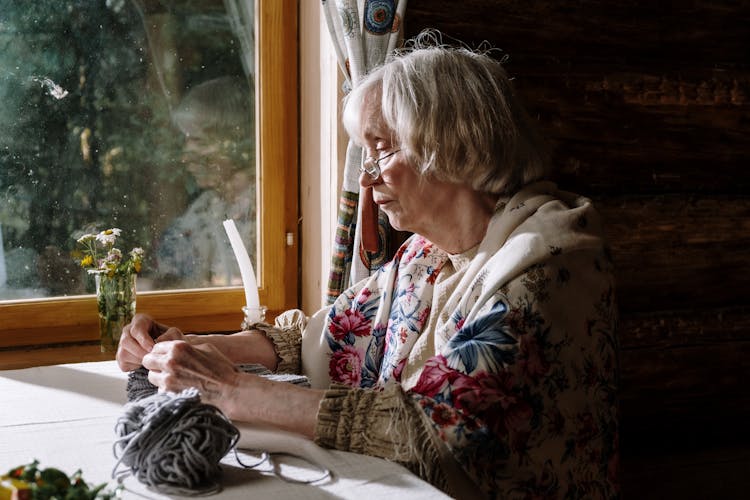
(173, 443)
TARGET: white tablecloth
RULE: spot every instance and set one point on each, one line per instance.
(65, 415)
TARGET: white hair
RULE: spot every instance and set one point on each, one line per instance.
(455, 114)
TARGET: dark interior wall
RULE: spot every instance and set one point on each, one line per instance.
(646, 105)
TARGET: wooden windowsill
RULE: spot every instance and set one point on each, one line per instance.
(79, 352)
(14, 359)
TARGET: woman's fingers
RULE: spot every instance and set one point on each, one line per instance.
(171, 333)
(126, 360)
(135, 342)
(141, 330)
(177, 365)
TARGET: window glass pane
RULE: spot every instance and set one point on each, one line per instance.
(136, 114)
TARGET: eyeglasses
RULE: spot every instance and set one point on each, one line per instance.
(371, 166)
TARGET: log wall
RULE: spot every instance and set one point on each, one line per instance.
(646, 105)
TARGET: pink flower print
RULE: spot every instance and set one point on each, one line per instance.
(433, 274)
(467, 394)
(424, 251)
(345, 366)
(491, 398)
(347, 322)
(422, 319)
(399, 369)
(363, 296)
(399, 255)
(435, 377)
(418, 248)
(403, 334)
(409, 256)
(460, 323)
(443, 415)
(389, 334)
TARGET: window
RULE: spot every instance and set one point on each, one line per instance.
(193, 42)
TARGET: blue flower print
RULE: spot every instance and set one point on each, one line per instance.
(484, 343)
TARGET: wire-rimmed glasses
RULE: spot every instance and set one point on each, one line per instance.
(371, 166)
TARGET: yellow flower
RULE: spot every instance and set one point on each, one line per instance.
(99, 256)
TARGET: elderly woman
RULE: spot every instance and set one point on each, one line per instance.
(483, 356)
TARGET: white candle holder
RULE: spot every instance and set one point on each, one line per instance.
(253, 315)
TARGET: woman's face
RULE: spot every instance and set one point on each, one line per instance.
(411, 201)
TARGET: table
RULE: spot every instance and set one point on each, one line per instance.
(65, 415)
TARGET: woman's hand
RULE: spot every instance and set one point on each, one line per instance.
(138, 339)
(175, 365)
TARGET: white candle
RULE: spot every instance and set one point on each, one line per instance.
(246, 267)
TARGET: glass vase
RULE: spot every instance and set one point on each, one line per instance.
(115, 299)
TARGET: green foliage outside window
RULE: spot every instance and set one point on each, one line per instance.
(87, 139)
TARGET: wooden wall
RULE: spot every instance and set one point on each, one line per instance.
(646, 105)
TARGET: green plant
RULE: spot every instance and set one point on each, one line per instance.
(51, 483)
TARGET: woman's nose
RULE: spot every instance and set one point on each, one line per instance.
(366, 180)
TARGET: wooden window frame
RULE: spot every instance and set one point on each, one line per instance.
(66, 320)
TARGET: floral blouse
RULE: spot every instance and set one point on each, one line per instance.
(515, 369)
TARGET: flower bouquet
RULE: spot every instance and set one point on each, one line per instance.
(115, 282)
